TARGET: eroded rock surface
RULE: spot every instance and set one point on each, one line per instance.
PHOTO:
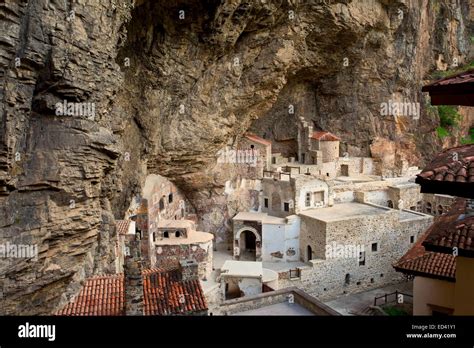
(170, 89)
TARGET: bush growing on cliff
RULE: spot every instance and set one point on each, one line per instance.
(448, 115)
(470, 137)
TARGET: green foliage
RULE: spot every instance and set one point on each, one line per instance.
(439, 74)
(395, 311)
(469, 139)
(442, 132)
(448, 115)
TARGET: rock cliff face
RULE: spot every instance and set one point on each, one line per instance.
(172, 82)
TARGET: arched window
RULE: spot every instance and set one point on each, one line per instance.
(177, 234)
(440, 210)
(162, 204)
(170, 198)
(309, 253)
(419, 206)
(428, 208)
(390, 203)
(347, 279)
(154, 236)
(166, 234)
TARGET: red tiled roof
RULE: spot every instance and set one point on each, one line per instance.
(324, 136)
(453, 90)
(463, 77)
(122, 226)
(165, 293)
(455, 229)
(257, 139)
(419, 262)
(100, 295)
(451, 172)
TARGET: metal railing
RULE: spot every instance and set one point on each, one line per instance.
(396, 298)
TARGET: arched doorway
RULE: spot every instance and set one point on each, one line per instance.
(248, 246)
(309, 253)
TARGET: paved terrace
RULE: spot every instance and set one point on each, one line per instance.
(344, 211)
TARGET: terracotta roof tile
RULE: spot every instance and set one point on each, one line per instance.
(122, 226)
(419, 262)
(451, 171)
(324, 136)
(165, 293)
(257, 139)
(455, 229)
(453, 90)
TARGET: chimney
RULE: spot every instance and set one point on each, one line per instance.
(189, 269)
(133, 278)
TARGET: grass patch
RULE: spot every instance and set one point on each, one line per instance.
(448, 115)
(469, 139)
(394, 311)
(439, 74)
(442, 132)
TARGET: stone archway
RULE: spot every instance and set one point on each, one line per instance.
(248, 244)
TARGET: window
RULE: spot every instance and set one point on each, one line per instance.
(347, 279)
(308, 199)
(166, 234)
(412, 239)
(265, 202)
(374, 247)
(162, 204)
(177, 234)
(389, 204)
(419, 206)
(440, 210)
(154, 236)
(362, 258)
(170, 198)
(318, 197)
(428, 208)
(286, 206)
(327, 174)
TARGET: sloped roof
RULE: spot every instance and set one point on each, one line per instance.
(324, 136)
(420, 262)
(165, 293)
(255, 138)
(455, 229)
(450, 172)
(453, 90)
(122, 226)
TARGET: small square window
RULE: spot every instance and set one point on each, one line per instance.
(286, 206)
(374, 247)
